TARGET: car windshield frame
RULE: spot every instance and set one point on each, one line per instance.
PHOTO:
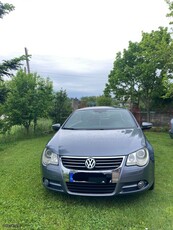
(100, 119)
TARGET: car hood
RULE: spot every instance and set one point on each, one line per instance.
(97, 142)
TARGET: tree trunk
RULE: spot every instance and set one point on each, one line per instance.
(27, 125)
(35, 124)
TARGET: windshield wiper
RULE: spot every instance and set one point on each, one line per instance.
(69, 128)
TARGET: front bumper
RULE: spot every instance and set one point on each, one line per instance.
(123, 180)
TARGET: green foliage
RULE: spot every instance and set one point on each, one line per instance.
(88, 101)
(96, 101)
(3, 93)
(138, 72)
(42, 101)
(21, 187)
(170, 6)
(8, 65)
(122, 80)
(104, 101)
(168, 84)
(5, 8)
(157, 52)
(29, 98)
(16, 133)
(61, 107)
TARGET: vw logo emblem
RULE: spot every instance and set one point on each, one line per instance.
(90, 163)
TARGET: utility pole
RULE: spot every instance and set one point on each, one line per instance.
(27, 60)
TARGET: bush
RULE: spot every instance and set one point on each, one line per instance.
(19, 132)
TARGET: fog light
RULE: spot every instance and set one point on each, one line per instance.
(45, 182)
(141, 184)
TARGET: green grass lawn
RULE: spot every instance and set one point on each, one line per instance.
(26, 204)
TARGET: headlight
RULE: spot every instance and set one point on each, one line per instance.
(140, 158)
(49, 157)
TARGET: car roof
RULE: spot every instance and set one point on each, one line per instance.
(101, 107)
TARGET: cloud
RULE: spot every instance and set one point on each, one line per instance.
(78, 76)
(75, 42)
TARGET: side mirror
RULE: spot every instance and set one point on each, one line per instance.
(56, 127)
(146, 125)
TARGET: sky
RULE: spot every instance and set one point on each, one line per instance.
(74, 42)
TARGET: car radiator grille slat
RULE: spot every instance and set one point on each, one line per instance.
(90, 188)
(101, 163)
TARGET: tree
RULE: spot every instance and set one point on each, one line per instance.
(8, 65)
(170, 5)
(43, 96)
(104, 101)
(61, 107)
(3, 92)
(28, 99)
(122, 82)
(156, 63)
(3, 95)
(88, 101)
(138, 72)
(5, 8)
(168, 88)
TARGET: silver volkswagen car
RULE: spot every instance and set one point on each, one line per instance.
(99, 151)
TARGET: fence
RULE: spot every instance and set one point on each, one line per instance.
(158, 119)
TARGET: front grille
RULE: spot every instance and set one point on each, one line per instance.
(102, 163)
(90, 188)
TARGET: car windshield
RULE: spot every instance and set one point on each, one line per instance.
(90, 119)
